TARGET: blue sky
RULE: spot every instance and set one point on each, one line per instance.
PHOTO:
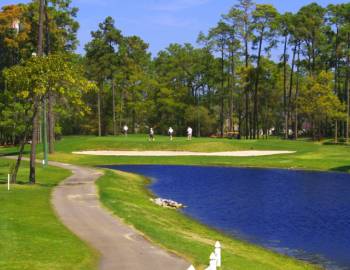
(161, 22)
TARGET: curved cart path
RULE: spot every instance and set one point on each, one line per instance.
(76, 203)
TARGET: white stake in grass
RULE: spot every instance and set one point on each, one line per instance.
(218, 253)
(8, 181)
(212, 263)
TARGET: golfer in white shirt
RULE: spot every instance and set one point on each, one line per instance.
(189, 133)
(151, 134)
(171, 131)
(125, 128)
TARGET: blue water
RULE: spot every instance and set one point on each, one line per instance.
(299, 213)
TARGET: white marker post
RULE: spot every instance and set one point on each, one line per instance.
(218, 253)
(8, 181)
(191, 268)
(212, 264)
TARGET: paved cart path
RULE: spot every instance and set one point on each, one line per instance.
(76, 203)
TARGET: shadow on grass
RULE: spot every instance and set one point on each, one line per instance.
(341, 169)
(25, 183)
(340, 143)
(11, 154)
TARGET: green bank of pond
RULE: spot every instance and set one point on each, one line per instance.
(128, 197)
(32, 237)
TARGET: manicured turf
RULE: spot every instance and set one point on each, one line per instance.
(126, 196)
(310, 155)
(32, 237)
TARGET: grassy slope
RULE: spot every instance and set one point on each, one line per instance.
(31, 235)
(127, 197)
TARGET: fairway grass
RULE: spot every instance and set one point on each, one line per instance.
(126, 196)
(309, 155)
(32, 237)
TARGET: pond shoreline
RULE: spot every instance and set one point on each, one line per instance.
(234, 249)
(156, 187)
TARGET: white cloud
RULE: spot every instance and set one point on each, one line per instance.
(176, 5)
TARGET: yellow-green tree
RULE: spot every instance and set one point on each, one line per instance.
(32, 79)
(319, 103)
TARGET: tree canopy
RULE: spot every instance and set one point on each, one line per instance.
(255, 73)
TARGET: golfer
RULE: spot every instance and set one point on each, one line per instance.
(151, 134)
(171, 131)
(125, 128)
(189, 133)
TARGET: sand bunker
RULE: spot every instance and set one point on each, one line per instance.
(250, 153)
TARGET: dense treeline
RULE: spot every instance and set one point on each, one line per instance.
(255, 73)
(19, 26)
(41, 77)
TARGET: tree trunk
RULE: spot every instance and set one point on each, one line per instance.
(51, 122)
(296, 123)
(113, 105)
(99, 110)
(297, 95)
(285, 88)
(313, 57)
(35, 125)
(41, 28)
(232, 90)
(50, 113)
(133, 113)
(289, 103)
(198, 119)
(336, 63)
(35, 121)
(222, 94)
(255, 114)
(246, 54)
(336, 131)
(239, 123)
(121, 109)
(347, 91)
(47, 29)
(19, 158)
(21, 150)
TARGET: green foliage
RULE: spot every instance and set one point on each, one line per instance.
(318, 100)
(232, 75)
(18, 40)
(199, 117)
(34, 78)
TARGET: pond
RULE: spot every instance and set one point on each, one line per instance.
(299, 213)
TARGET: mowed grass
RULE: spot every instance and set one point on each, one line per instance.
(126, 196)
(31, 236)
(309, 155)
